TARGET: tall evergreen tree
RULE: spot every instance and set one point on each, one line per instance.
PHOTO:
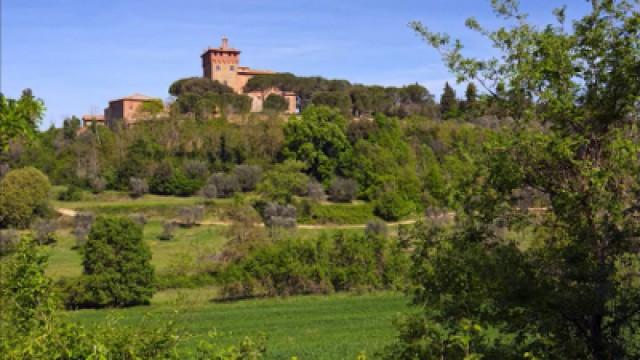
(471, 96)
(448, 102)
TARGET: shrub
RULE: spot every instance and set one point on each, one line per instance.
(24, 194)
(276, 215)
(196, 169)
(226, 184)
(4, 169)
(9, 239)
(295, 267)
(168, 180)
(137, 187)
(210, 191)
(168, 230)
(97, 184)
(116, 266)
(391, 206)
(284, 181)
(376, 228)
(138, 219)
(247, 176)
(275, 102)
(190, 215)
(71, 193)
(44, 231)
(82, 226)
(315, 191)
(343, 190)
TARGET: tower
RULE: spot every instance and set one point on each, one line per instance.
(221, 64)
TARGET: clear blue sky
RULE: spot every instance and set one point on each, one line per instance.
(78, 54)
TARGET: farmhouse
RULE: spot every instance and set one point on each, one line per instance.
(223, 65)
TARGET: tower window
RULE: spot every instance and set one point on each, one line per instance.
(218, 67)
(231, 68)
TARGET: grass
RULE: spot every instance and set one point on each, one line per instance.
(310, 327)
(337, 213)
(179, 254)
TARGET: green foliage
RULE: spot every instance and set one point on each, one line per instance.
(490, 290)
(336, 100)
(24, 194)
(448, 102)
(275, 102)
(385, 160)
(318, 139)
(290, 267)
(168, 180)
(390, 204)
(71, 193)
(31, 327)
(116, 266)
(204, 97)
(284, 181)
(19, 117)
(152, 107)
(350, 99)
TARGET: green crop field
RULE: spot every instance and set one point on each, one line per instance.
(310, 327)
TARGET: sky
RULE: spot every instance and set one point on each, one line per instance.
(78, 54)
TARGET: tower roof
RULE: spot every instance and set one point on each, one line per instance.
(223, 48)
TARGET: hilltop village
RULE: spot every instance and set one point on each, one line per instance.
(221, 64)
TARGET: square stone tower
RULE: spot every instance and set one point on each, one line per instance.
(221, 64)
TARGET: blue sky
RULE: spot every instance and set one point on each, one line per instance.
(78, 54)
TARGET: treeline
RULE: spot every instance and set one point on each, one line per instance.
(351, 99)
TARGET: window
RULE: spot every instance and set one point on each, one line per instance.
(225, 82)
(218, 67)
(231, 68)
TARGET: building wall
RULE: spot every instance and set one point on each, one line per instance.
(123, 109)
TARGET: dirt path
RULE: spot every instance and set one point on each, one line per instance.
(73, 213)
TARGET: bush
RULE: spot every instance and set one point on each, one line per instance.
(343, 190)
(97, 184)
(117, 267)
(210, 191)
(226, 184)
(315, 191)
(139, 219)
(82, 226)
(248, 176)
(284, 181)
(196, 169)
(376, 228)
(44, 231)
(190, 215)
(275, 102)
(137, 187)
(167, 180)
(296, 267)
(391, 206)
(283, 216)
(71, 193)
(24, 194)
(9, 240)
(168, 230)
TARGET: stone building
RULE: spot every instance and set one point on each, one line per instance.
(223, 65)
(127, 109)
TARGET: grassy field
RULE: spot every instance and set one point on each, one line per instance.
(183, 253)
(310, 327)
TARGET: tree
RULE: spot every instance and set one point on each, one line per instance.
(24, 194)
(343, 190)
(284, 181)
(448, 102)
(571, 292)
(117, 268)
(471, 97)
(19, 117)
(276, 103)
(318, 139)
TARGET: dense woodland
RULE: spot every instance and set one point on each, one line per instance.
(519, 200)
